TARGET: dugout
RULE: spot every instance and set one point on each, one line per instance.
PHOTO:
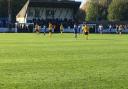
(44, 11)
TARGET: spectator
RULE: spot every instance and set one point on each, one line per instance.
(110, 28)
(101, 29)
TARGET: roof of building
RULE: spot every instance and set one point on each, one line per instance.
(51, 0)
(48, 3)
(54, 3)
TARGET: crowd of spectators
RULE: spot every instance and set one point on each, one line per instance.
(56, 22)
(118, 28)
(3, 23)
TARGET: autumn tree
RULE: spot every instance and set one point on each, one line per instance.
(118, 10)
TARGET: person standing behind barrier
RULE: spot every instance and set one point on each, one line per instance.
(110, 28)
(117, 29)
(125, 27)
(101, 29)
(75, 30)
(79, 28)
(120, 29)
(44, 28)
(50, 29)
(61, 28)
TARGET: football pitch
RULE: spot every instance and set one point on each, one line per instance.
(35, 61)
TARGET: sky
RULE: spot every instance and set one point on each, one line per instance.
(79, 0)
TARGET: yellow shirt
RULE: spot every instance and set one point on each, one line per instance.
(82, 28)
(85, 28)
(61, 27)
(50, 26)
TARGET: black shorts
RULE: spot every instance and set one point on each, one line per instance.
(37, 30)
(86, 33)
(50, 31)
(75, 32)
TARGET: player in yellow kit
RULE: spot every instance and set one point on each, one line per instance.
(61, 28)
(50, 29)
(85, 29)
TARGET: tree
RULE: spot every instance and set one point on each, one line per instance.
(96, 9)
(118, 10)
(92, 11)
(104, 8)
(105, 3)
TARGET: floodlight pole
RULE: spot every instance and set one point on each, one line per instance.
(9, 15)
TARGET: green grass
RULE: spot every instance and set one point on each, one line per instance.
(31, 61)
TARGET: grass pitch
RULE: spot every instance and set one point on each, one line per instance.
(34, 61)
